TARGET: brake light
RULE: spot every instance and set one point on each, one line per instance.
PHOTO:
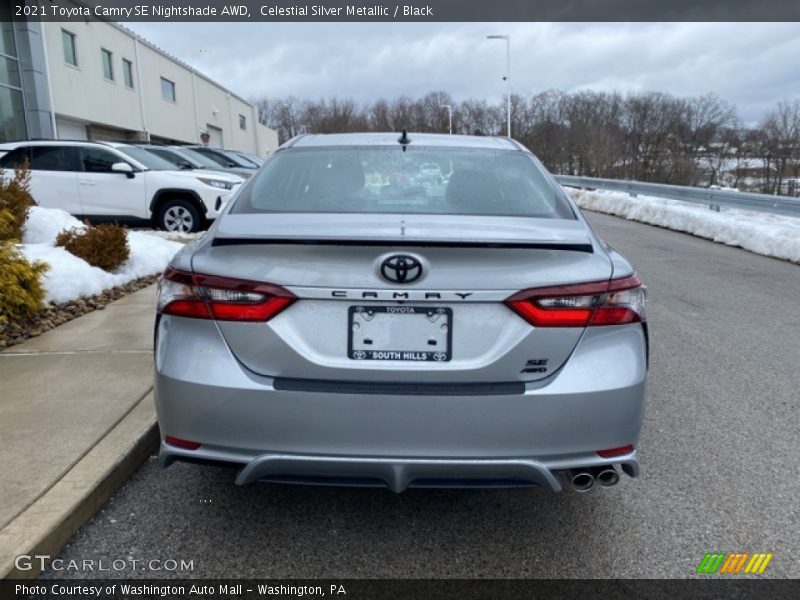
(614, 302)
(222, 298)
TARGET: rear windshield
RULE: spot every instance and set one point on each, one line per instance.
(421, 180)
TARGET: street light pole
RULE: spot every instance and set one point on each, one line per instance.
(449, 117)
(507, 38)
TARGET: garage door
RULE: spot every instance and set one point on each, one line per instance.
(71, 130)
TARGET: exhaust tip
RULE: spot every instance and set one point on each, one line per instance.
(582, 481)
(608, 477)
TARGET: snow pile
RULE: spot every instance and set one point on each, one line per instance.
(44, 224)
(763, 233)
(175, 236)
(70, 277)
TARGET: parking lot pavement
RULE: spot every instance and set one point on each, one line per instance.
(718, 453)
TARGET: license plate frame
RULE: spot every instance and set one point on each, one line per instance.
(358, 313)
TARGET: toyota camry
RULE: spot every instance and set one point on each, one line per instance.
(403, 310)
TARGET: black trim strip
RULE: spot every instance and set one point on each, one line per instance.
(285, 384)
(222, 241)
(121, 219)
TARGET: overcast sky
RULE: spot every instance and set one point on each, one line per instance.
(752, 65)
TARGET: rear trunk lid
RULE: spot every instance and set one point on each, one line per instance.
(353, 324)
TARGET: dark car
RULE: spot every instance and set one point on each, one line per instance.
(186, 158)
(226, 158)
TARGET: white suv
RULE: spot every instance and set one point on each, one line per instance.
(120, 182)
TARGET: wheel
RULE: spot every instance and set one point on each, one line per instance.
(179, 215)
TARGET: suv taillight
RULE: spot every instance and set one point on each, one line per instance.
(222, 298)
(613, 302)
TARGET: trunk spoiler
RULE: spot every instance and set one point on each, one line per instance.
(250, 241)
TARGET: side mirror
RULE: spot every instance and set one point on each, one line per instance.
(186, 166)
(123, 167)
(231, 165)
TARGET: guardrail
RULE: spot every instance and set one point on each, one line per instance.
(712, 197)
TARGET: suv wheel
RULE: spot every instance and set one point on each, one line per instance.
(179, 215)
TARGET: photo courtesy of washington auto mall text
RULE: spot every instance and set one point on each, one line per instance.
(437, 299)
(74, 591)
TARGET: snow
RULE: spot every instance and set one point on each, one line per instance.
(44, 224)
(762, 233)
(731, 164)
(70, 277)
(175, 236)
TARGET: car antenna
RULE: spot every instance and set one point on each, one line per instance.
(404, 140)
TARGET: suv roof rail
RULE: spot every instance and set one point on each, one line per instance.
(134, 142)
(45, 139)
(143, 143)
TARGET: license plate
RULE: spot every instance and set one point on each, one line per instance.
(415, 333)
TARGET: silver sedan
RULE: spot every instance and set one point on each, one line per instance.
(351, 319)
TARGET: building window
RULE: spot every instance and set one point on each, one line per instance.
(70, 52)
(127, 72)
(108, 64)
(12, 109)
(12, 115)
(7, 44)
(242, 122)
(9, 72)
(168, 90)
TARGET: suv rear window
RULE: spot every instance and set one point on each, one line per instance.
(421, 180)
(42, 158)
(15, 158)
(54, 158)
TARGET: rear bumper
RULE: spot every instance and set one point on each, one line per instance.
(398, 474)
(400, 440)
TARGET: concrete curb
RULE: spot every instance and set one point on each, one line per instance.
(49, 523)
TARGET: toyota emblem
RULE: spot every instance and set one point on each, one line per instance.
(401, 268)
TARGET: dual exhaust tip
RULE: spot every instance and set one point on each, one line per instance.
(583, 480)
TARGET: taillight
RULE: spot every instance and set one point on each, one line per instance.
(614, 302)
(222, 298)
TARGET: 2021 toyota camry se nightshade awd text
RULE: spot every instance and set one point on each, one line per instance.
(358, 317)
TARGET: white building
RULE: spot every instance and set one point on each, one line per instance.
(98, 80)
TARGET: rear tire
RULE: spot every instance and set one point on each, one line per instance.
(179, 215)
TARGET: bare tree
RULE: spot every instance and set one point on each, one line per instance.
(646, 136)
(281, 114)
(477, 117)
(781, 130)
